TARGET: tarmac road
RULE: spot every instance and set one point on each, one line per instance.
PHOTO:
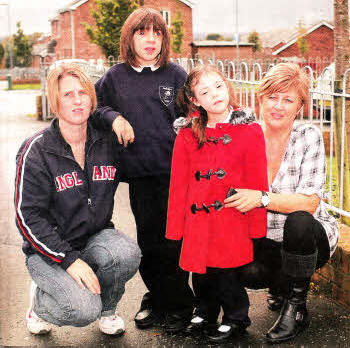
(330, 325)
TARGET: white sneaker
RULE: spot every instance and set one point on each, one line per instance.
(35, 325)
(112, 325)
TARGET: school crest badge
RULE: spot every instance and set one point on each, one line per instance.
(166, 94)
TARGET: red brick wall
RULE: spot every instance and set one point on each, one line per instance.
(225, 52)
(186, 14)
(333, 279)
(84, 49)
(36, 62)
(62, 33)
(320, 41)
(63, 36)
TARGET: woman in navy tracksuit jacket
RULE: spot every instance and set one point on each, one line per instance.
(53, 193)
(66, 179)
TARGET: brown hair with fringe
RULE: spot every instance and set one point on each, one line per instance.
(185, 100)
(143, 18)
(57, 73)
(283, 77)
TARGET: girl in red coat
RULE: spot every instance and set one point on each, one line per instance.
(215, 152)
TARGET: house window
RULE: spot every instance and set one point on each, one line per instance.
(166, 16)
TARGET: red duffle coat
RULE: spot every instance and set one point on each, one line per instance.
(220, 238)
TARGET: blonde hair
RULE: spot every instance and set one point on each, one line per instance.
(285, 76)
(57, 73)
(185, 100)
(143, 18)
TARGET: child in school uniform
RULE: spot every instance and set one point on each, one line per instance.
(215, 154)
(137, 99)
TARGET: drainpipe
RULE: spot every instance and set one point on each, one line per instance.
(73, 32)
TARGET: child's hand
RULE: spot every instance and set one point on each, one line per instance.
(244, 200)
(123, 130)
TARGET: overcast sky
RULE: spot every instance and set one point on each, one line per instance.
(209, 15)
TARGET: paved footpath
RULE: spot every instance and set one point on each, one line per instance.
(330, 326)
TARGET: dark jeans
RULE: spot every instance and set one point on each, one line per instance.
(159, 268)
(302, 235)
(220, 287)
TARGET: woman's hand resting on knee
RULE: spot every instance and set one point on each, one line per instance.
(82, 273)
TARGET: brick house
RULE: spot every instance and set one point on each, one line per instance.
(223, 50)
(270, 41)
(72, 40)
(69, 33)
(320, 40)
(40, 50)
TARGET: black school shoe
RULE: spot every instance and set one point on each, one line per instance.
(175, 323)
(220, 333)
(196, 326)
(146, 316)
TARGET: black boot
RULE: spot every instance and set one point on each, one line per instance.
(278, 292)
(274, 301)
(294, 316)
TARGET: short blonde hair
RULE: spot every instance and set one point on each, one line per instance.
(57, 73)
(285, 76)
(143, 18)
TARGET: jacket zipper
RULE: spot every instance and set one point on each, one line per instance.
(87, 174)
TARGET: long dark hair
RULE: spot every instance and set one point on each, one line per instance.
(189, 109)
(143, 18)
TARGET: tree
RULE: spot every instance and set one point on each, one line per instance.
(33, 38)
(109, 16)
(301, 42)
(177, 33)
(2, 53)
(22, 48)
(215, 37)
(255, 39)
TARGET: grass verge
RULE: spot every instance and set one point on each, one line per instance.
(26, 86)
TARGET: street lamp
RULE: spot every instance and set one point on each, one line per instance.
(237, 36)
(9, 28)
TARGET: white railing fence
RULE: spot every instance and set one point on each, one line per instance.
(320, 111)
(246, 76)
